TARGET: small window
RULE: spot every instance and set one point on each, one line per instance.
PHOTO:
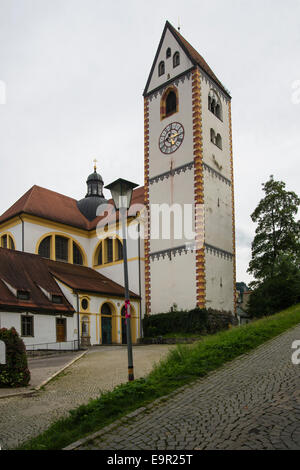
(176, 59)
(84, 304)
(27, 325)
(23, 295)
(77, 256)
(44, 248)
(57, 299)
(168, 54)
(161, 68)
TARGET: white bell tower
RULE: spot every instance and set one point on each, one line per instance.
(188, 165)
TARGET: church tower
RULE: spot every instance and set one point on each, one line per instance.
(189, 168)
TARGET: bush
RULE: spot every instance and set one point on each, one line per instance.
(196, 321)
(15, 372)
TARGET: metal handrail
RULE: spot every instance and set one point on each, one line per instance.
(33, 348)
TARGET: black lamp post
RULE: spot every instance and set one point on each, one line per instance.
(121, 191)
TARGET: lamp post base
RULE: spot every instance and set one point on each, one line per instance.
(130, 374)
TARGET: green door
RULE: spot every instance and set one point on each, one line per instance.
(106, 330)
(124, 331)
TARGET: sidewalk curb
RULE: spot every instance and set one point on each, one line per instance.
(45, 382)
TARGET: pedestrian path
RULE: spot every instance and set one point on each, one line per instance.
(101, 369)
(251, 403)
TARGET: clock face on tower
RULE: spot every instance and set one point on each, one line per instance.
(171, 138)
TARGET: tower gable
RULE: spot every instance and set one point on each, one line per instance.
(170, 41)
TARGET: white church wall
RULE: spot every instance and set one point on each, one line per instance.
(219, 282)
(177, 285)
(218, 212)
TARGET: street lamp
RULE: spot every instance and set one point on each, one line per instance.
(121, 191)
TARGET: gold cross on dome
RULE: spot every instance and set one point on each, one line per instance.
(95, 163)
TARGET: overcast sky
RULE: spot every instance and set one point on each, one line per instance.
(75, 71)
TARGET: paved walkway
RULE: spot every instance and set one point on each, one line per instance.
(41, 370)
(99, 370)
(251, 403)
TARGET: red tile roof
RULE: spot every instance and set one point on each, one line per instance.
(56, 207)
(29, 272)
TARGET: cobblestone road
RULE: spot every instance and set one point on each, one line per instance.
(100, 369)
(252, 403)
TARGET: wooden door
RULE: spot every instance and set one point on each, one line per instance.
(60, 330)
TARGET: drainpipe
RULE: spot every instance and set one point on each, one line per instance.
(22, 232)
(140, 282)
(78, 322)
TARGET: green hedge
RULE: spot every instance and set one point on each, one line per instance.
(15, 372)
(198, 321)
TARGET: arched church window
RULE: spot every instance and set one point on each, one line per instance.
(119, 250)
(108, 247)
(212, 136)
(161, 68)
(61, 248)
(168, 54)
(99, 255)
(176, 59)
(44, 248)
(77, 255)
(6, 241)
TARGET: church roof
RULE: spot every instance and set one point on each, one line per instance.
(29, 272)
(50, 205)
(193, 55)
(26, 272)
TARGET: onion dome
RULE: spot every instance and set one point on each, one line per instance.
(94, 196)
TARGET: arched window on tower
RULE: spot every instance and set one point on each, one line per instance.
(212, 136)
(161, 68)
(168, 54)
(169, 102)
(214, 104)
(219, 141)
(176, 59)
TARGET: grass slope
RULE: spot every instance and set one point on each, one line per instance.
(184, 364)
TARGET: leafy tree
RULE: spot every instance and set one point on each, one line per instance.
(275, 251)
(277, 230)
